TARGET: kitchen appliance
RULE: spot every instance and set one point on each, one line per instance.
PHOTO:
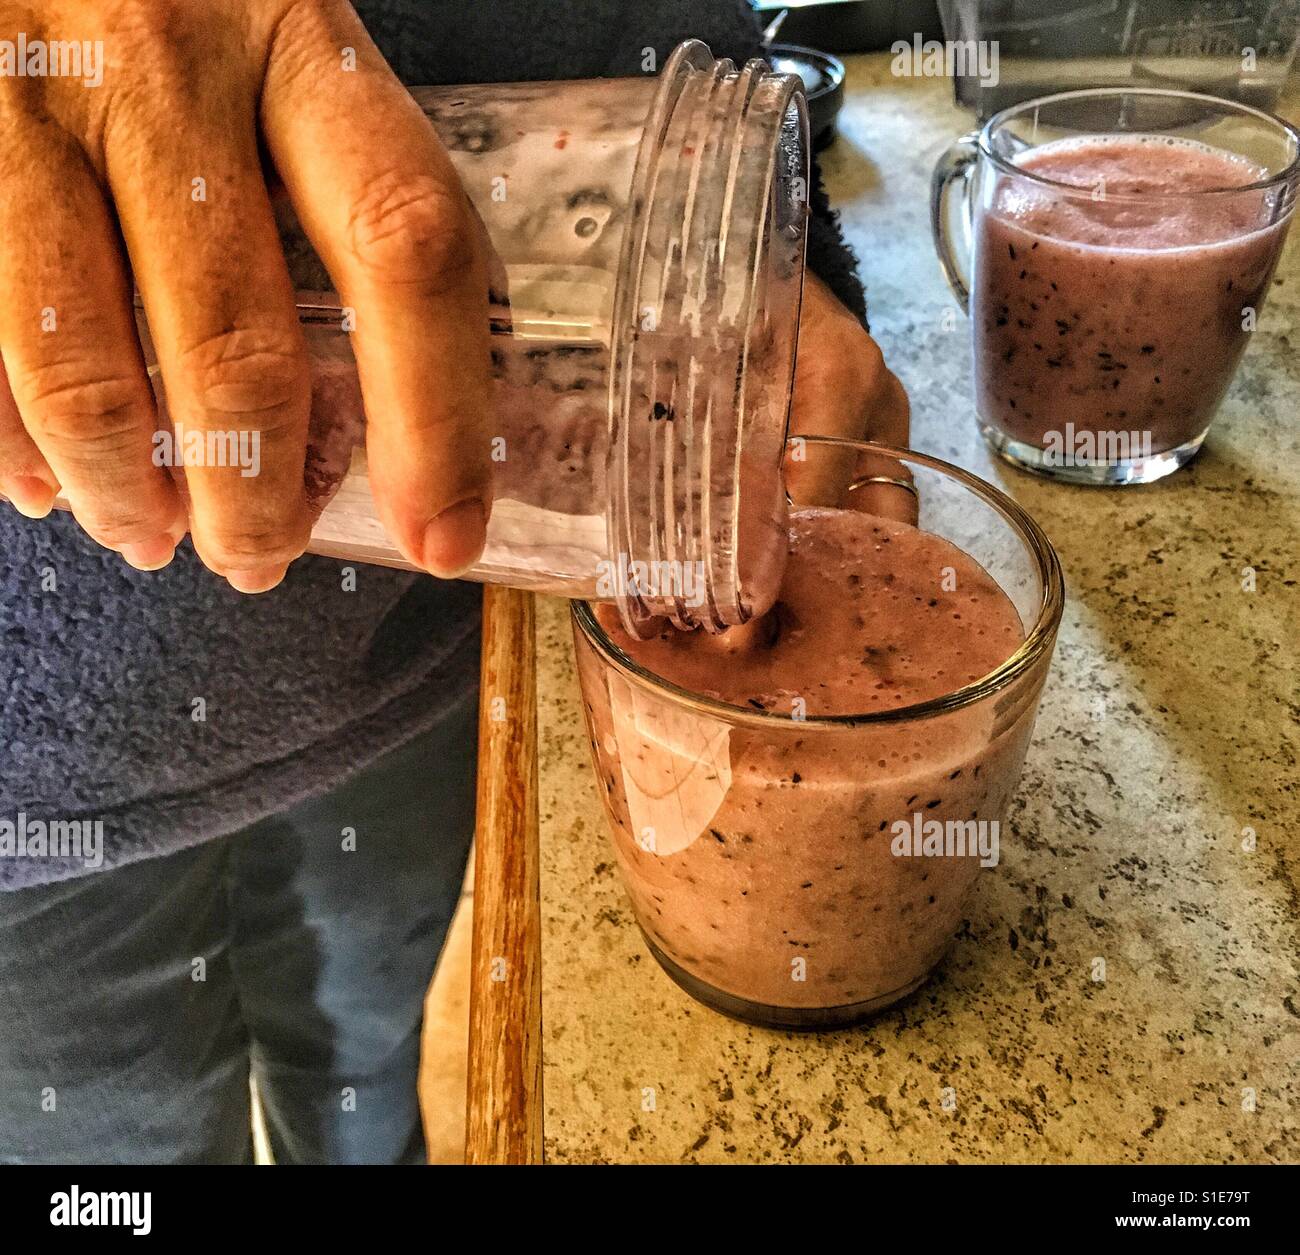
(1239, 49)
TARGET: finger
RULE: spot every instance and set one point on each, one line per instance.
(889, 412)
(391, 223)
(70, 349)
(497, 274)
(843, 388)
(885, 488)
(198, 225)
(26, 480)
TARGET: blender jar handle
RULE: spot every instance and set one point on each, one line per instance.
(956, 165)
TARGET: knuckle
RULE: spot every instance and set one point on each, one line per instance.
(247, 370)
(865, 362)
(125, 15)
(412, 231)
(247, 544)
(167, 47)
(91, 411)
(116, 523)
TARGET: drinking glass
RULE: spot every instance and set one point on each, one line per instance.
(758, 848)
(1109, 313)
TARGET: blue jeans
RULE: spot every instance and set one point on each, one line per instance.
(135, 1002)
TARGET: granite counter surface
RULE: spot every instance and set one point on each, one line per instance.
(1167, 736)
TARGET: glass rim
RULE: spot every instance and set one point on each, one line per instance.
(1037, 642)
(1289, 173)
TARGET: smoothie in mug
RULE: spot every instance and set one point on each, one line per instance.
(1114, 249)
(1108, 325)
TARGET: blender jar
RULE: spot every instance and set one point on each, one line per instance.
(649, 238)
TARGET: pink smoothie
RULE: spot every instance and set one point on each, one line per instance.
(1112, 314)
(776, 843)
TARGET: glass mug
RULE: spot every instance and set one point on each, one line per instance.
(816, 797)
(649, 242)
(1113, 249)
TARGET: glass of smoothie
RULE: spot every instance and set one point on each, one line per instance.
(800, 807)
(1113, 249)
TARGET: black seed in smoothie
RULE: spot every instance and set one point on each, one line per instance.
(931, 805)
(717, 836)
(1011, 248)
(795, 778)
(661, 412)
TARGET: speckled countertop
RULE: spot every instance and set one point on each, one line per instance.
(1168, 726)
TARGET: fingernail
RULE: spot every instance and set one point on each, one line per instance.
(260, 581)
(453, 542)
(149, 555)
(30, 496)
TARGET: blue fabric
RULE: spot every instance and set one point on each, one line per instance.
(317, 962)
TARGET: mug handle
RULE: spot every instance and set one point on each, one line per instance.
(956, 165)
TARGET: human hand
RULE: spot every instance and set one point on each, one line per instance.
(842, 387)
(156, 176)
